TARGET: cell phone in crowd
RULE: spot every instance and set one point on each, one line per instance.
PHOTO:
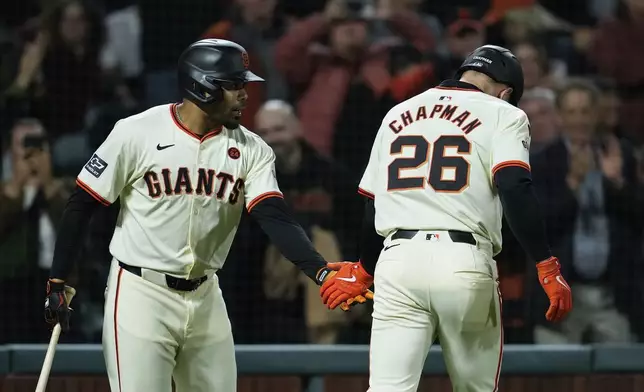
(33, 141)
(32, 144)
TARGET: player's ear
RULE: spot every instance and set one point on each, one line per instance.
(506, 94)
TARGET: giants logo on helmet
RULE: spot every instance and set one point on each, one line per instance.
(245, 60)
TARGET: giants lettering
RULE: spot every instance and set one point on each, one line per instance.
(207, 183)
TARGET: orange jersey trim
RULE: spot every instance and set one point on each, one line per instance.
(508, 164)
(366, 193)
(208, 135)
(95, 195)
(261, 197)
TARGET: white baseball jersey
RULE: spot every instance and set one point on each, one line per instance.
(434, 158)
(181, 194)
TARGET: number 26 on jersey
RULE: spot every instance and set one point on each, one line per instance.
(447, 173)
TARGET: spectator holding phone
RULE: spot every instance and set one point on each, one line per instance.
(59, 78)
(31, 202)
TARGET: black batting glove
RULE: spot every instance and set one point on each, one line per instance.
(56, 308)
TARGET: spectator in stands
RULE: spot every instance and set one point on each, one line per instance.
(608, 113)
(381, 30)
(539, 104)
(462, 37)
(256, 26)
(123, 52)
(589, 192)
(513, 23)
(573, 43)
(59, 76)
(31, 203)
(322, 190)
(617, 58)
(411, 74)
(324, 200)
(168, 27)
(342, 79)
(577, 12)
(535, 64)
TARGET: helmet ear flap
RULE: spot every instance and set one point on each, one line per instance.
(201, 94)
(210, 95)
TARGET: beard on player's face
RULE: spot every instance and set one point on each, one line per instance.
(231, 107)
(231, 116)
(226, 112)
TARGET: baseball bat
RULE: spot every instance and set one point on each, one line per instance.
(51, 349)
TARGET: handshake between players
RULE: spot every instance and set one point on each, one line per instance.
(348, 283)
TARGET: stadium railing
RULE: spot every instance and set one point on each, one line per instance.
(319, 360)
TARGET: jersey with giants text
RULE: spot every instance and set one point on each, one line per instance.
(181, 195)
(434, 158)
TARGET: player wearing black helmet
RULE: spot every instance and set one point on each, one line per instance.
(501, 66)
(212, 74)
(445, 166)
(183, 173)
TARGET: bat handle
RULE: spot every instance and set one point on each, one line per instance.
(49, 360)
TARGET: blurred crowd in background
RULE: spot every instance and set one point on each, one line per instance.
(69, 69)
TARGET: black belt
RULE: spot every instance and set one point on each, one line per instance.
(172, 282)
(455, 235)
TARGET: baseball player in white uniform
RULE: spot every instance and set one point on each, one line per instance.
(444, 167)
(184, 173)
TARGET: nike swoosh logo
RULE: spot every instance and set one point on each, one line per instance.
(390, 246)
(350, 280)
(160, 147)
(561, 282)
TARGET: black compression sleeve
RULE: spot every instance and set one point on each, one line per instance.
(522, 210)
(277, 222)
(71, 232)
(370, 242)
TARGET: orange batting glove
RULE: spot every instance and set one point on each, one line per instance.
(556, 289)
(326, 273)
(347, 286)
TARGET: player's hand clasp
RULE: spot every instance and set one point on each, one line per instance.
(346, 285)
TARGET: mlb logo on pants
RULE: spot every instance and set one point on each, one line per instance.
(432, 237)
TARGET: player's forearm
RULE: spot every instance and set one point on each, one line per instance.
(522, 211)
(71, 232)
(276, 221)
(370, 242)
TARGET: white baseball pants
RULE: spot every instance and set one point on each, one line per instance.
(153, 335)
(427, 289)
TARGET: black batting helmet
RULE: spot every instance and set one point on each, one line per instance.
(499, 64)
(208, 64)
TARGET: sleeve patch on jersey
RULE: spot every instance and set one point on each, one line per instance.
(96, 166)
